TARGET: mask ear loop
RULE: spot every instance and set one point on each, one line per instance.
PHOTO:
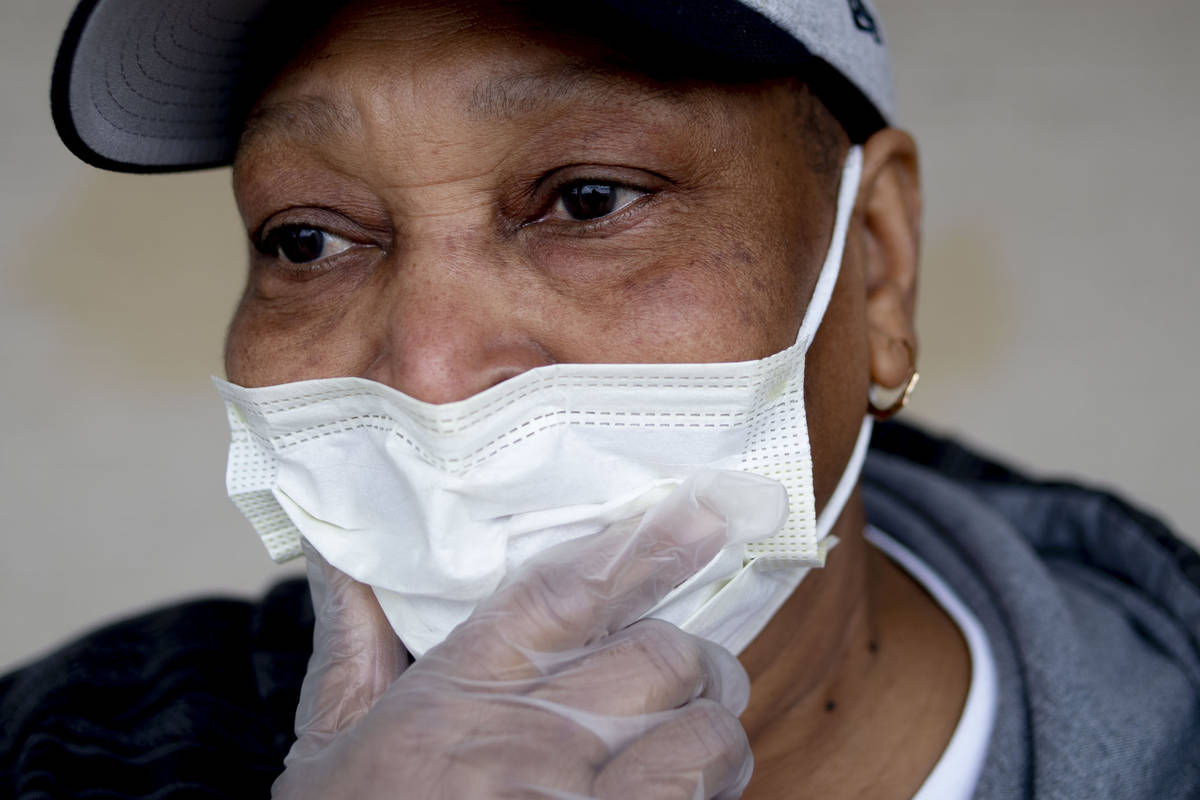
(822, 293)
(827, 280)
(845, 485)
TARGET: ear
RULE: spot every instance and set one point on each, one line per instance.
(889, 208)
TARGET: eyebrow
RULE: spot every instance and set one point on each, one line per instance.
(510, 95)
(308, 117)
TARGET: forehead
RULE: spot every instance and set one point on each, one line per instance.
(326, 102)
(482, 61)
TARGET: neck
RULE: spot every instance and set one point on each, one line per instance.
(858, 681)
(797, 660)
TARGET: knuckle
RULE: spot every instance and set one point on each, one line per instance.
(544, 600)
(725, 679)
(648, 787)
(673, 656)
(531, 745)
(715, 732)
(471, 651)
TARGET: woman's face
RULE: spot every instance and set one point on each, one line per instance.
(439, 198)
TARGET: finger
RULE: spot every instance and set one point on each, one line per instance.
(701, 751)
(648, 667)
(356, 656)
(585, 589)
(506, 737)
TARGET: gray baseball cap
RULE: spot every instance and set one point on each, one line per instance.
(164, 85)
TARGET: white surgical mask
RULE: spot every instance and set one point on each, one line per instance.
(432, 505)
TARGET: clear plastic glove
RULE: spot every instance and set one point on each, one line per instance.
(547, 690)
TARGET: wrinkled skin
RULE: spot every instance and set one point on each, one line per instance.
(440, 151)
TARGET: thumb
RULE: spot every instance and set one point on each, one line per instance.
(356, 656)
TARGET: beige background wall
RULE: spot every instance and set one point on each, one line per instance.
(1058, 317)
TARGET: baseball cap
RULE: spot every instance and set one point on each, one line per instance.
(165, 85)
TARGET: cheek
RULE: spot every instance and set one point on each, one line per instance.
(755, 273)
(699, 296)
(260, 352)
(242, 346)
(273, 343)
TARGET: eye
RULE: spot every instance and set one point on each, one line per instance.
(589, 200)
(302, 244)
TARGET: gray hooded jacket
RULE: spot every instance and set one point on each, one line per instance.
(1092, 610)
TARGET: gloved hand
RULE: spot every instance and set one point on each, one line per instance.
(547, 690)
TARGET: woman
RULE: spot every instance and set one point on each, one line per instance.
(454, 206)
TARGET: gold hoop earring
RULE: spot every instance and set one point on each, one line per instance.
(885, 403)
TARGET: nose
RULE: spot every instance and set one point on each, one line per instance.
(454, 326)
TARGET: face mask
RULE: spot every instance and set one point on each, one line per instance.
(432, 505)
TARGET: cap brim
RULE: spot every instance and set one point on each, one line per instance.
(154, 85)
